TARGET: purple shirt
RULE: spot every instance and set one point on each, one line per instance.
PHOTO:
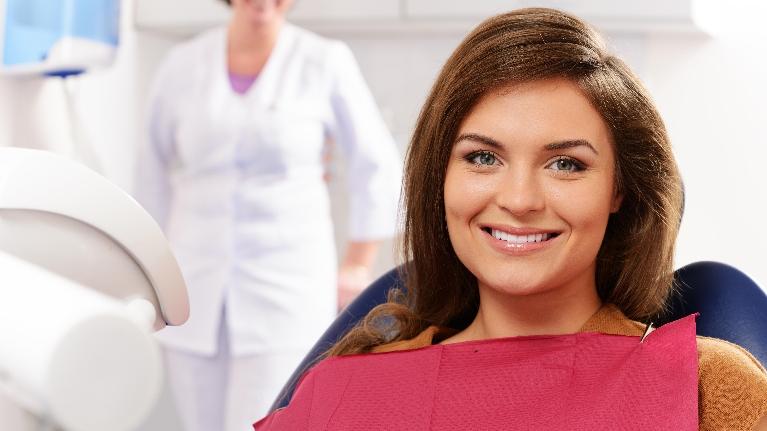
(241, 83)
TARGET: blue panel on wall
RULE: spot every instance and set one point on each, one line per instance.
(32, 27)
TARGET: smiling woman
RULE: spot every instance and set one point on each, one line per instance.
(525, 89)
(542, 204)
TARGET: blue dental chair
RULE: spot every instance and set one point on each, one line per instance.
(731, 306)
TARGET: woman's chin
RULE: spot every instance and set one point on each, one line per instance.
(515, 287)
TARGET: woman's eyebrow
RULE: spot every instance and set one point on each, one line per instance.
(554, 146)
(562, 145)
(482, 139)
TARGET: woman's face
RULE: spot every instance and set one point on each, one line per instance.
(260, 11)
(529, 189)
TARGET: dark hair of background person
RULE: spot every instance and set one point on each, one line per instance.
(634, 267)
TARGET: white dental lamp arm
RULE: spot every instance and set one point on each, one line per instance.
(82, 359)
(41, 191)
(86, 276)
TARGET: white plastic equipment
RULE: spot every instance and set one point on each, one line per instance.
(86, 276)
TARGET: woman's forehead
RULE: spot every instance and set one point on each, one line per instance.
(541, 111)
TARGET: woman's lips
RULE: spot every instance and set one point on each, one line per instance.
(519, 241)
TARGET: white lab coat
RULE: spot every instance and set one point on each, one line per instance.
(236, 182)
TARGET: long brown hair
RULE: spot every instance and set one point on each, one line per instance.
(634, 264)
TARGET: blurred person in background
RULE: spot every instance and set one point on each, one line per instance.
(233, 172)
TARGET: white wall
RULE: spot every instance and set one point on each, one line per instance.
(712, 93)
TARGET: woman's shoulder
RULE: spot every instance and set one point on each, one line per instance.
(733, 386)
(311, 44)
(192, 54)
(185, 65)
(715, 353)
(333, 54)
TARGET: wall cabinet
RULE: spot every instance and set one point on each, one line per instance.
(397, 17)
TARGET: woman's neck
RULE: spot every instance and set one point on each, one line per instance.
(249, 45)
(554, 312)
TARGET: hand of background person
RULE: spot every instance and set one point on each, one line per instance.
(354, 273)
(352, 279)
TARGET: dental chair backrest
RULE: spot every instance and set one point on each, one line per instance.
(731, 306)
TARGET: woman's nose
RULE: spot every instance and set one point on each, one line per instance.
(520, 193)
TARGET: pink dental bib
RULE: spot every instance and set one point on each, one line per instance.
(585, 381)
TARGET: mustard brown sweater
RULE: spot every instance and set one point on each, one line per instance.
(732, 384)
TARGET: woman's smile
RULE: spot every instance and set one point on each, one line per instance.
(519, 241)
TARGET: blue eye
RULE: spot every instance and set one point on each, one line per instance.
(482, 158)
(566, 164)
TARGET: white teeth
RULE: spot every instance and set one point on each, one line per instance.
(520, 239)
(517, 239)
